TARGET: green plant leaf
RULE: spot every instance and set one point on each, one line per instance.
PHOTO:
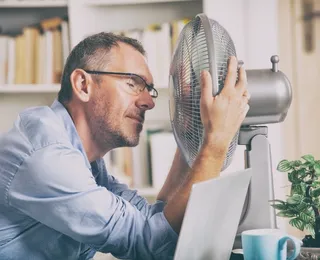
(296, 163)
(297, 223)
(308, 158)
(315, 192)
(306, 217)
(294, 177)
(302, 207)
(297, 177)
(285, 214)
(311, 212)
(289, 212)
(317, 168)
(298, 188)
(303, 187)
(310, 229)
(308, 200)
(284, 166)
(315, 184)
(316, 202)
(280, 201)
(308, 181)
(280, 206)
(295, 199)
(302, 173)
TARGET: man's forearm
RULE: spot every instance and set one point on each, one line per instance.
(210, 157)
(176, 175)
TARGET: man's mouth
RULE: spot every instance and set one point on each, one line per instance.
(139, 119)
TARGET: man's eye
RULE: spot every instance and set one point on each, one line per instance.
(131, 84)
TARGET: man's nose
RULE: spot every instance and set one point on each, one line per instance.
(145, 101)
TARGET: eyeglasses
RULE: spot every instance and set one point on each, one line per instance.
(135, 82)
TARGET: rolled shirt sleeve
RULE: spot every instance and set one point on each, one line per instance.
(54, 186)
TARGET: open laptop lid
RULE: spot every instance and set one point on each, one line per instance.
(212, 217)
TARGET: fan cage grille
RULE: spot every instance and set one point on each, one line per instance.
(191, 56)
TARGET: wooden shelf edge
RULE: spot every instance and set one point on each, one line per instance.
(30, 88)
(33, 3)
(131, 2)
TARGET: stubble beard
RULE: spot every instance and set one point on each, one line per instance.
(108, 135)
(108, 131)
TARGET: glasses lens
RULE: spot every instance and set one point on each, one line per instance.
(138, 83)
(153, 93)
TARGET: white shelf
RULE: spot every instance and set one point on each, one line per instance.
(33, 3)
(30, 88)
(132, 2)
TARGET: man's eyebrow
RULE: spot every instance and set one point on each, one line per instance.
(145, 79)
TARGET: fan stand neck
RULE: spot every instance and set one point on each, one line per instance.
(257, 212)
(248, 132)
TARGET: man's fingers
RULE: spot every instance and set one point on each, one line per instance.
(206, 87)
(245, 111)
(242, 81)
(246, 95)
(231, 77)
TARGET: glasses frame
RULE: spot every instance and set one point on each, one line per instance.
(149, 87)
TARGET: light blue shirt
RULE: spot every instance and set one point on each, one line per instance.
(55, 205)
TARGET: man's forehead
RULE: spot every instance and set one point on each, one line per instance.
(125, 58)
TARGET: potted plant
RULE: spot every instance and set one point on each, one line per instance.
(302, 206)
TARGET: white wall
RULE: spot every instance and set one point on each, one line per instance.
(231, 15)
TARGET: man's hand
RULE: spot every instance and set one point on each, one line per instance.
(223, 114)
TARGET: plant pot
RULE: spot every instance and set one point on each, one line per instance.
(309, 253)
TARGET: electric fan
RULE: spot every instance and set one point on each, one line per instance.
(204, 44)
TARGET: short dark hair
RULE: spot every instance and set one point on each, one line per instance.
(91, 53)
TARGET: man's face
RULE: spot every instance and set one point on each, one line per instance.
(115, 112)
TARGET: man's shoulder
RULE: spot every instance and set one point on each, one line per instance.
(34, 129)
(41, 127)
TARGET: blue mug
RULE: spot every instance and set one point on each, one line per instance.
(268, 244)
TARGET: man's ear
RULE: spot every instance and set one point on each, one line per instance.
(81, 84)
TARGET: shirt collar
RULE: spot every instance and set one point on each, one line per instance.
(63, 114)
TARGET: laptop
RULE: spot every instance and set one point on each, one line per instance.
(212, 217)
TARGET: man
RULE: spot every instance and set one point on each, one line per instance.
(57, 200)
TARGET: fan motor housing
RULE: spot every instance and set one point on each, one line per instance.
(271, 96)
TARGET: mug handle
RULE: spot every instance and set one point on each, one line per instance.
(296, 243)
